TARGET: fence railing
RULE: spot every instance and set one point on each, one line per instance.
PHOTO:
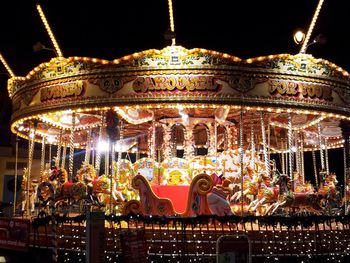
(137, 238)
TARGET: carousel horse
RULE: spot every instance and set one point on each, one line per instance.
(299, 186)
(123, 179)
(267, 192)
(87, 175)
(56, 187)
(102, 188)
(330, 196)
(52, 180)
(249, 187)
(32, 192)
(288, 200)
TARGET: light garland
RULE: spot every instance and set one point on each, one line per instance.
(290, 144)
(171, 18)
(311, 28)
(49, 31)
(298, 127)
(7, 67)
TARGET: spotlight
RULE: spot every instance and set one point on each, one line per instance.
(102, 146)
(299, 37)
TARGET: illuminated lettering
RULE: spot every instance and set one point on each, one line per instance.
(289, 88)
(61, 91)
(175, 83)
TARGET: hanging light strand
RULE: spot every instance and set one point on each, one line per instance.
(241, 155)
(30, 162)
(268, 143)
(71, 147)
(49, 31)
(42, 161)
(326, 155)
(320, 143)
(263, 134)
(98, 152)
(345, 180)
(290, 144)
(16, 177)
(297, 153)
(7, 67)
(302, 165)
(311, 28)
(252, 145)
(283, 159)
(315, 167)
(171, 18)
(64, 155)
(88, 147)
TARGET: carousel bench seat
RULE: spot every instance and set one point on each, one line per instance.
(192, 204)
(178, 194)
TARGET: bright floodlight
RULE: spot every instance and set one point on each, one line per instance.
(50, 139)
(102, 146)
(299, 37)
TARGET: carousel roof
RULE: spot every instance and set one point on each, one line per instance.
(152, 84)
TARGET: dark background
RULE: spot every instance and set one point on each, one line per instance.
(111, 29)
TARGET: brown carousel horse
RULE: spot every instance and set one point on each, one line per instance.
(331, 199)
(304, 198)
(58, 189)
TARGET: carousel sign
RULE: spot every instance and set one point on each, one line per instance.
(61, 91)
(175, 83)
(290, 88)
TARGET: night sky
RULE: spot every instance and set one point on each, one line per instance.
(111, 29)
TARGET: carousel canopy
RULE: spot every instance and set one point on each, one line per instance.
(159, 84)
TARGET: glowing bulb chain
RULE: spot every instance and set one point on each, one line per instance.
(290, 144)
(113, 170)
(241, 155)
(297, 154)
(71, 147)
(58, 153)
(49, 31)
(64, 155)
(30, 162)
(345, 176)
(302, 157)
(42, 161)
(252, 145)
(153, 142)
(311, 28)
(120, 150)
(263, 134)
(326, 155)
(98, 153)
(283, 160)
(7, 67)
(315, 167)
(320, 142)
(171, 18)
(88, 147)
(268, 143)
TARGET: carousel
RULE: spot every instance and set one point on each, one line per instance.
(159, 128)
(183, 132)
